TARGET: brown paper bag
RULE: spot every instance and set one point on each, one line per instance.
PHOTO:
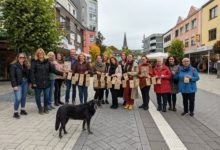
(131, 84)
(186, 80)
(102, 77)
(148, 81)
(95, 83)
(102, 84)
(158, 80)
(114, 80)
(81, 79)
(117, 86)
(69, 76)
(109, 85)
(67, 65)
(136, 83)
(124, 83)
(95, 78)
(144, 71)
(87, 80)
(153, 80)
(108, 79)
(125, 75)
(76, 76)
(73, 80)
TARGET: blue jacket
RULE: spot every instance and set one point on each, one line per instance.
(191, 86)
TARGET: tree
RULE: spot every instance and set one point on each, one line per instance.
(94, 51)
(127, 51)
(177, 49)
(108, 52)
(99, 39)
(31, 24)
(216, 47)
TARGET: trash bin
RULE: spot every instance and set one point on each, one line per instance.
(218, 69)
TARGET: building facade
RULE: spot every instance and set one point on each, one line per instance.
(167, 39)
(92, 13)
(153, 43)
(89, 39)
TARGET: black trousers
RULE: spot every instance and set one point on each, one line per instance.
(99, 94)
(145, 95)
(106, 92)
(162, 100)
(57, 91)
(188, 102)
(171, 100)
(114, 94)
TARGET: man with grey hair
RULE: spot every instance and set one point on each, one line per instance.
(188, 76)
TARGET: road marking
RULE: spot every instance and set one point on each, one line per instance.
(172, 140)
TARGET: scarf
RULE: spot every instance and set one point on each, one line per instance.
(99, 66)
(112, 69)
(128, 66)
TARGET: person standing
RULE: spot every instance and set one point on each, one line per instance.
(122, 63)
(172, 64)
(82, 67)
(99, 69)
(106, 91)
(130, 93)
(58, 79)
(188, 76)
(51, 58)
(162, 74)
(19, 76)
(145, 72)
(73, 61)
(40, 70)
(114, 70)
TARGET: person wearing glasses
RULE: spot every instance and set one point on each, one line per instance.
(19, 76)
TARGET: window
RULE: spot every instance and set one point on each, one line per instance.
(92, 17)
(92, 7)
(194, 24)
(187, 27)
(78, 38)
(177, 33)
(91, 38)
(213, 13)
(167, 38)
(187, 43)
(193, 41)
(212, 34)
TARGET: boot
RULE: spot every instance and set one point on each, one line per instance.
(23, 112)
(126, 106)
(103, 102)
(106, 101)
(41, 111)
(46, 110)
(130, 107)
(16, 115)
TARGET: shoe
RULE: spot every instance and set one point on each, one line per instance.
(191, 114)
(23, 112)
(146, 108)
(183, 113)
(16, 115)
(124, 103)
(112, 106)
(46, 111)
(174, 109)
(164, 110)
(56, 104)
(130, 107)
(126, 106)
(106, 101)
(41, 111)
(170, 108)
(61, 103)
(158, 109)
(142, 106)
(103, 102)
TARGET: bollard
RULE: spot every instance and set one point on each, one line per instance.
(218, 69)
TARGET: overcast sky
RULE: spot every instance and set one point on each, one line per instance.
(139, 17)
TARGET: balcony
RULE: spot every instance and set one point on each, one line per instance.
(153, 41)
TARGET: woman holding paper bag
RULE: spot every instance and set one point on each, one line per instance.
(100, 71)
(162, 87)
(122, 63)
(188, 76)
(130, 91)
(145, 72)
(114, 70)
(81, 69)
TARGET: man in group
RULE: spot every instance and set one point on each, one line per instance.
(73, 61)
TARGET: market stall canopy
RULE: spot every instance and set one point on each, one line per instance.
(157, 55)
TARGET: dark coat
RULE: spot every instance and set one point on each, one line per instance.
(40, 72)
(16, 74)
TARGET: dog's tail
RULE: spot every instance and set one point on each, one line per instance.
(57, 124)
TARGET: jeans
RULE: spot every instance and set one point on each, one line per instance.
(188, 102)
(145, 95)
(83, 93)
(68, 87)
(57, 91)
(99, 94)
(20, 95)
(38, 92)
(52, 82)
(114, 94)
(162, 97)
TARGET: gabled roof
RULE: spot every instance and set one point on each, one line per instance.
(192, 10)
(180, 19)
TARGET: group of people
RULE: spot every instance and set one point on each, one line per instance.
(47, 74)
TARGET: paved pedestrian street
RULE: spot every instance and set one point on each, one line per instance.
(117, 129)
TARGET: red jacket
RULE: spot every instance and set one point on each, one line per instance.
(165, 86)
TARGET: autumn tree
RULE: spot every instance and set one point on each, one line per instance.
(177, 49)
(94, 51)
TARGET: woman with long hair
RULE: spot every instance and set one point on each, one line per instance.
(19, 76)
(106, 91)
(172, 64)
(40, 70)
(59, 64)
(122, 63)
(114, 70)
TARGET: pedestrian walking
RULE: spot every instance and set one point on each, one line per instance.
(172, 64)
(145, 73)
(82, 67)
(130, 91)
(122, 63)
(188, 76)
(114, 70)
(59, 80)
(162, 86)
(100, 70)
(51, 58)
(40, 70)
(72, 60)
(19, 76)
(106, 91)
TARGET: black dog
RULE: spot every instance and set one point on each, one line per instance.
(80, 112)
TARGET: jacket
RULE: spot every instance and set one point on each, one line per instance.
(81, 68)
(16, 74)
(40, 72)
(191, 86)
(173, 81)
(143, 79)
(164, 87)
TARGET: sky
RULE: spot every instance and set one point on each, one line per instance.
(139, 17)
